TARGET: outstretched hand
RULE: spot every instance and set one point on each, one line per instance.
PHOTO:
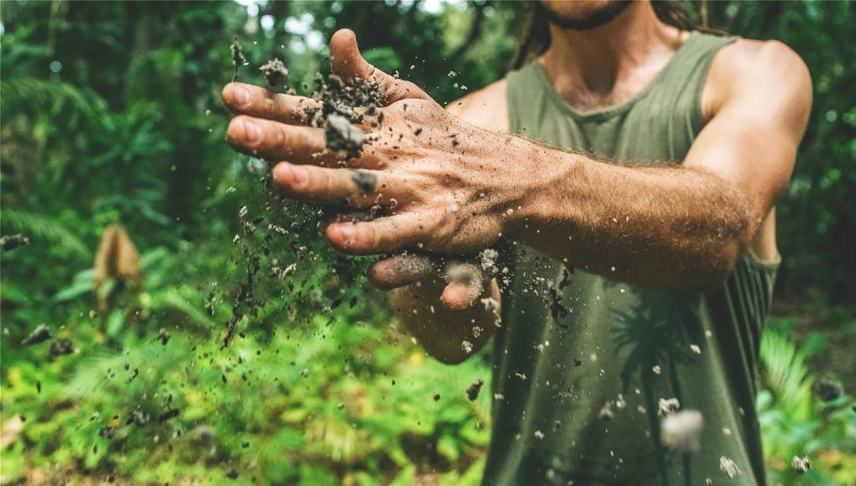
(440, 180)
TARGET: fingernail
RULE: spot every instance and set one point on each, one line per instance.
(251, 131)
(299, 175)
(240, 95)
(347, 233)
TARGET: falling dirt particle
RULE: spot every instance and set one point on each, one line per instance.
(169, 414)
(275, 72)
(682, 430)
(366, 181)
(238, 58)
(11, 242)
(577, 362)
(728, 467)
(801, 464)
(163, 336)
(232, 474)
(60, 347)
(39, 335)
(827, 389)
(656, 369)
(436, 397)
(304, 372)
(474, 389)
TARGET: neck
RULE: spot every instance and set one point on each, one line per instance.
(596, 60)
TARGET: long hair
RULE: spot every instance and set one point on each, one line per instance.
(535, 35)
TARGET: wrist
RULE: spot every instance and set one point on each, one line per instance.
(542, 189)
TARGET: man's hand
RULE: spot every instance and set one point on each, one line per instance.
(445, 185)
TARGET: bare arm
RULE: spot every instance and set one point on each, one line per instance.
(682, 226)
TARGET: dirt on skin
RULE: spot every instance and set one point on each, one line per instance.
(344, 106)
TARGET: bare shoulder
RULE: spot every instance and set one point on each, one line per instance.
(767, 73)
(486, 108)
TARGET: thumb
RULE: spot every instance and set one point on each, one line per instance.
(347, 62)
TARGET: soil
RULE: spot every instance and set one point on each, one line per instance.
(39, 335)
(344, 106)
(366, 181)
(11, 242)
(238, 58)
(275, 72)
(474, 389)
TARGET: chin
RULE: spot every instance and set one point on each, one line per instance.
(582, 14)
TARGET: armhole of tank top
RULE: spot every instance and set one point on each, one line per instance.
(698, 121)
(512, 79)
(757, 262)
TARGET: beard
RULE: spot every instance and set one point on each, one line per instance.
(595, 18)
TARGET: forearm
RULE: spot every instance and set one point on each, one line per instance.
(451, 336)
(668, 226)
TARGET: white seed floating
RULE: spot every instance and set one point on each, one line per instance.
(801, 464)
(682, 430)
(728, 467)
(695, 349)
(656, 369)
(539, 435)
(467, 346)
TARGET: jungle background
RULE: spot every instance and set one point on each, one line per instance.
(111, 115)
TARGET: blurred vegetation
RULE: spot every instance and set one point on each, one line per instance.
(111, 115)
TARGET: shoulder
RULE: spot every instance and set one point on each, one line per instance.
(764, 74)
(486, 108)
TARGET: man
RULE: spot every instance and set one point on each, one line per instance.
(634, 291)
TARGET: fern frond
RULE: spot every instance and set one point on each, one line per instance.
(54, 97)
(786, 375)
(38, 226)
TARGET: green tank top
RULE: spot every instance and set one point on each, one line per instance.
(585, 368)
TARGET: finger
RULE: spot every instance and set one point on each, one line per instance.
(383, 235)
(248, 99)
(349, 64)
(276, 141)
(466, 285)
(400, 270)
(461, 296)
(359, 188)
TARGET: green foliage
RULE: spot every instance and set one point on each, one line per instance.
(795, 423)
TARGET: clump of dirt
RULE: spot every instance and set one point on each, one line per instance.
(11, 242)
(474, 389)
(238, 58)
(827, 389)
(61, 347)
(366, 181)
(343, 137)
(343, 107)
(275, 72)
(39, 335)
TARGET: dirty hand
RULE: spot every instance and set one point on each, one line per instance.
(447, 187)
